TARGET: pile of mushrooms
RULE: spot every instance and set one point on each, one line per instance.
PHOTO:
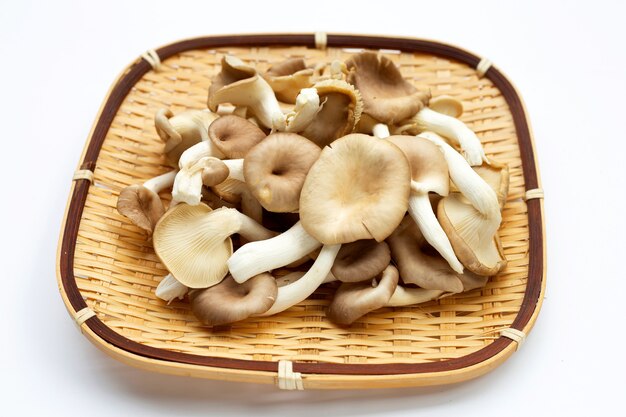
(302, 176)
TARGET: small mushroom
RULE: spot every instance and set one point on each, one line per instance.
(354, 300)
(288, 77)
(234, 136)
(340, 112)
(229, 302)
(141, 204)
(387, 96)
(193, 242)
(429, 173)
(275, 170)
(170, 288)
(447, 105)
(182, 131)
(361, 260)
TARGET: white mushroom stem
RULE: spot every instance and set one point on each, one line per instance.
(200, 150)
(306, 108)
(421, 211)
(188, 182)
(469, 183)
(404, 296)
(256, 257)
(170, 288)
(292, 277)
(235, 169)
(381, 130)
(160, 183)
(298, 291)
(454, 129)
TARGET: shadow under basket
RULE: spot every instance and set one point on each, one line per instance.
(107, 270)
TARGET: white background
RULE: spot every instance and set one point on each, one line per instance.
(57, 60)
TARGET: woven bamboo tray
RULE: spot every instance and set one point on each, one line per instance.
(107, 272)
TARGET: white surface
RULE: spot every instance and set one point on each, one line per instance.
(57, 62)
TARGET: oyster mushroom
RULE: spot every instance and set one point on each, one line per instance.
(361, 260)
(141, 203)
(275, 169)
(193, 242)
(234, 136)
(182, 131)
(170, 288)
(288, 77)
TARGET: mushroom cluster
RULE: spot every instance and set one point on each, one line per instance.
(302, 176)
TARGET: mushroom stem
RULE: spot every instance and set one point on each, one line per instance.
(469, 183)
(421, 211)
(188, 182)
(170, 288)
(254, 258)
(235, 169)
(158, 184)
(381, 130)
(250, 229)
(456, 130)
(306, 108)
(298, 291)
(403, 296)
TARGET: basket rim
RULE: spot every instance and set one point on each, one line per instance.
(116, 344)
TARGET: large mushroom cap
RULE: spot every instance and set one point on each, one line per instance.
(387, 96)
(141, 206)
(361, 260)
(234, 136)
(193, 242)
(228, 301)
(288, 77)
(358, 189)
(275, 170)
(472, 235)
(341, 110)
(353, 300)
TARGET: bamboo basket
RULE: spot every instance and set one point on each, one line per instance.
(107, 272)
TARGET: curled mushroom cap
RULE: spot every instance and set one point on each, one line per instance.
(287, 78)
(341, 110)
(361, 260)
(228, 301)
(234, 136)
(387, 96)
(141, 206)
(447, 105)
(357, 189)
(275, 170)
(215, 171)
(496, 174)
(354, 300)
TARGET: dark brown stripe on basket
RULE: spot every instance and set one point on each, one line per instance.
(141, 67)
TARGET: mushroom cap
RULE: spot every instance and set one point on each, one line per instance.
(447, 105)
(275, 170)
(234, 71)
(387, 96)
(428, 165)
(472, 235)
(214, 172)
(418, 267)
(228, 301)
(141, 206)
(357, 189)
(193, 242)
(341, 110)
(361, 260)
(288, 77)
(234, 136)
(230, 190)
(354, 300)
(496, 174)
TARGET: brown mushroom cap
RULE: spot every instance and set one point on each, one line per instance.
(214, 172)
(276, 168)
(141, 206)
(287, 78)
(228, 301)
(341, 110)
(234, 136)
(361, 260)
(472, 235)
(354, 300)
(387, 96)
(357, 189)
(230, 190)
(233, 71)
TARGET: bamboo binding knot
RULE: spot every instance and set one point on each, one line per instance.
(152, 58)
(83, 315)
(515, 335)
(83, 174)
(288, 379)
(482, 67)
(321, 40)
(534, 193)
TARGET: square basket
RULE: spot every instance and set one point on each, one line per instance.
(107, 271)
